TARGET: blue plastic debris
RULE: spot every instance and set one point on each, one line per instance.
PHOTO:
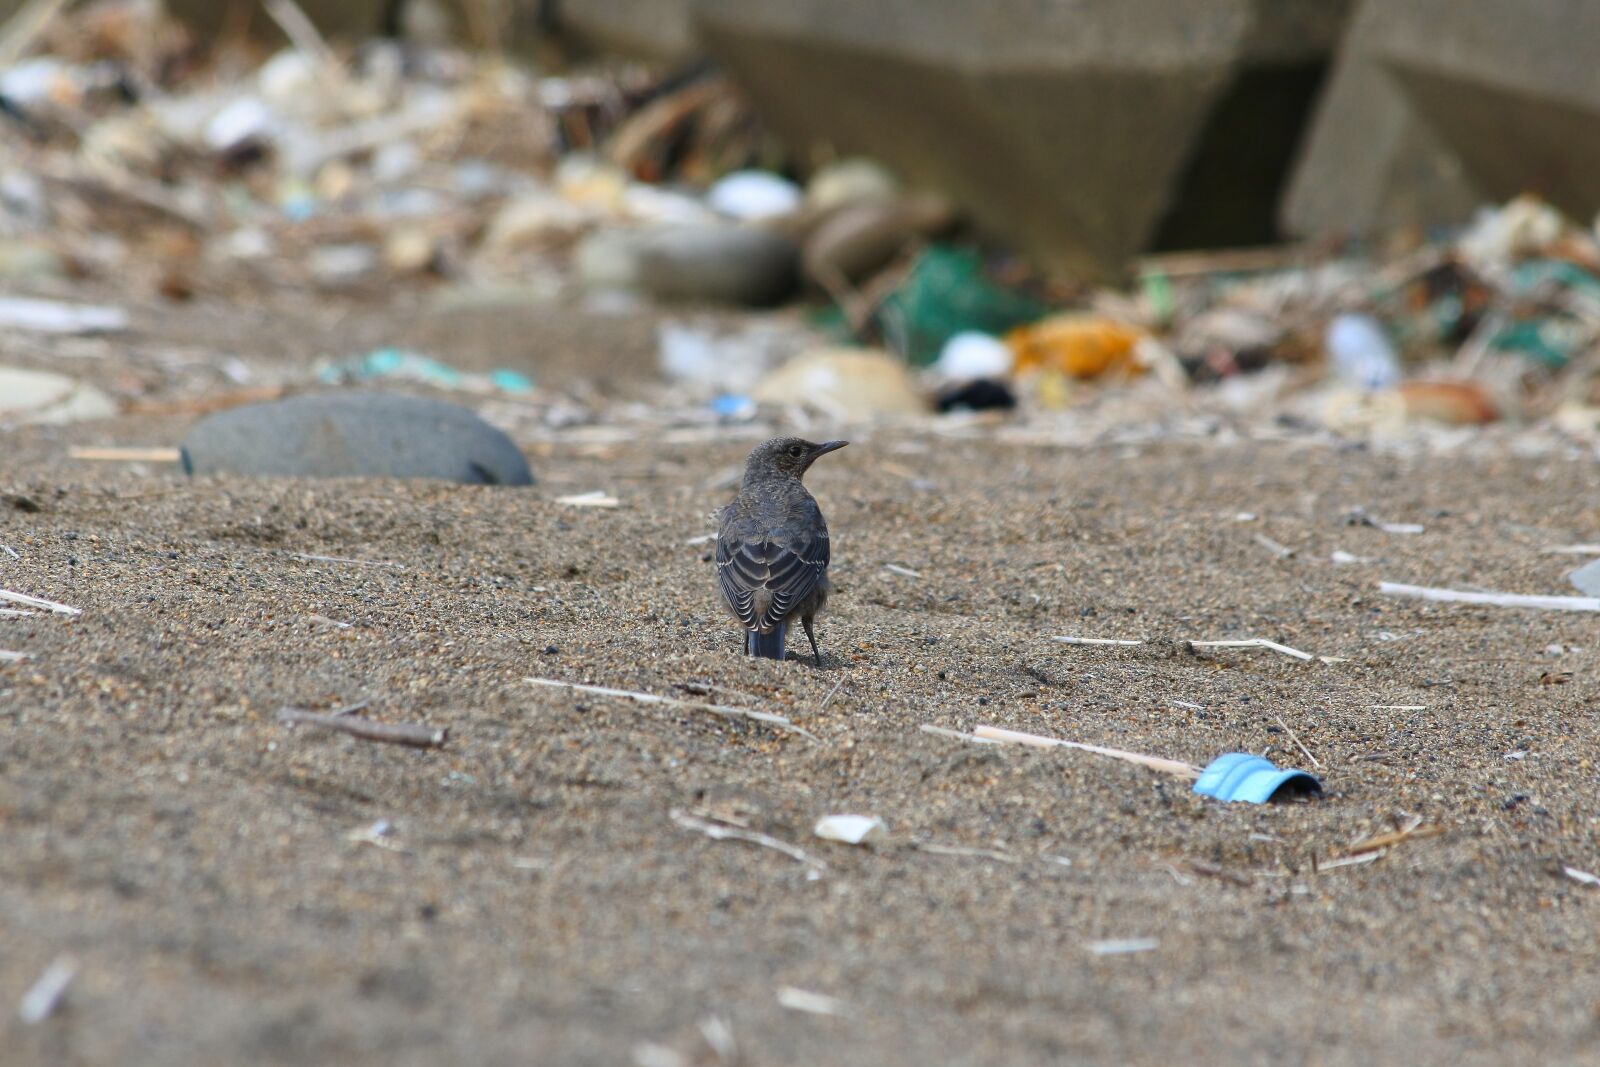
(1252, 779)
(733, 406)
(400, 364)
(510, 381)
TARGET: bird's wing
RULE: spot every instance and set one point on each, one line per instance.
(785, 567)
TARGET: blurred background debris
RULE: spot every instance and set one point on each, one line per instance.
(655, 163)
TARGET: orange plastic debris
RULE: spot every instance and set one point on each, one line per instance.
(1077, 345)
(1452, 403)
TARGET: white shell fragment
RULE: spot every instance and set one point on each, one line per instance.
(811, 1003)
(851, 829)
(1124, 946)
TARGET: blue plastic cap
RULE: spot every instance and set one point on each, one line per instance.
(1252, 779)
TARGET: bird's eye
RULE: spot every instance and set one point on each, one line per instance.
(796, 450)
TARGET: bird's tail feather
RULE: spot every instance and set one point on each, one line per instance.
(768, 646)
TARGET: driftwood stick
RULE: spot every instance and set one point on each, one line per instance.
(125, 454)
(1256, 642)
(395, 733)
(672, 702)
(1497, 600)
(37, 602)
(721, 832)
(1298, 743)
(1156, 763)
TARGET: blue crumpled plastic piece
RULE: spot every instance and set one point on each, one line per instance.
(1252, 779)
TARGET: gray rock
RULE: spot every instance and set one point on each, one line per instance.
(713, 263)
(1081, 131)
(357, 434)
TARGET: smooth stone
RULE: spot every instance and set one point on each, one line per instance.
(855, 383)
(713, 264)
(353, 435)
(850, 181)
(32, 396)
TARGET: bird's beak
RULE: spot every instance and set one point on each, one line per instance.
(828, 446)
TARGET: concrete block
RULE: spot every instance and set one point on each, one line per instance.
(1081, 131)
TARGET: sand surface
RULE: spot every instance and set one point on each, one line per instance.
(214, 874)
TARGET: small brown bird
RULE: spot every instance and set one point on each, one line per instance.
(772, 546)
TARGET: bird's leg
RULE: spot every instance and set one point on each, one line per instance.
(805, 620)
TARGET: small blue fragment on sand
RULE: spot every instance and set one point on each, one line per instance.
(733, 406)
(1252, 779)
(510, 381)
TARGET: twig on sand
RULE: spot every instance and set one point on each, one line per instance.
(1582, 877)
(1497, 600)
(1258, 642)
(967, 850)
(829, 698)
(45, 996)
(125, 454)
(721, 832)
(1572, 550)
(12, 657)
(8, 550)
(1249, 642)
(904, 572)
(397, 733)
(1221, 873)
(309, 558)
(1382, 842)
(596, 499)
(36, 602)
(1296, 739)
(692, 705)
(1156, 763)
(1282, 551)
(1370, 849)
(942, 731)
(1345, 861)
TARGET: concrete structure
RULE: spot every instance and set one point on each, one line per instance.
(1081, 131)
(1439, 105)
(651, 29)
